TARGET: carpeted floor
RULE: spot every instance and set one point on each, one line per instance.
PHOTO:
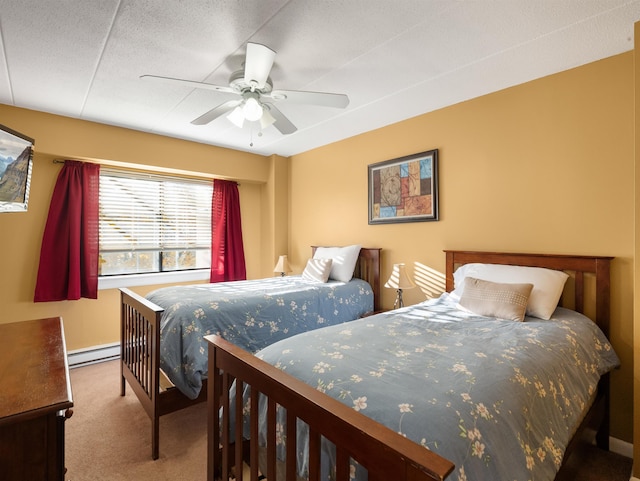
(108, 438)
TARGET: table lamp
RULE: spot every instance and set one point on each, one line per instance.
(282, 266)
(399, 280)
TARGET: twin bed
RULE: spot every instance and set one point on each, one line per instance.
(431, 390)
(163, 350)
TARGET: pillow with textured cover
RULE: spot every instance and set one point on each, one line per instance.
(317, 270)
(548, 284)
(494, 299)
(344, 260)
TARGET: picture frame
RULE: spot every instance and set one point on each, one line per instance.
(404, 189)
(16, 164)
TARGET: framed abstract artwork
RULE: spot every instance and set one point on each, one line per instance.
(16, 162)
(404, 189)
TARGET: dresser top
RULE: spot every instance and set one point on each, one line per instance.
(34, 374)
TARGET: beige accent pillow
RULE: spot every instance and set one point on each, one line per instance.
(548, 284)
(317, 270)
(493, 299)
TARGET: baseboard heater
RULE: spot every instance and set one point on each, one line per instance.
(91, 355)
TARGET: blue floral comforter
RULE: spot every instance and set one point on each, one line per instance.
(500, 399)
(252, 314)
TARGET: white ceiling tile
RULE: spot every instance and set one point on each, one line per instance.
(394, 60)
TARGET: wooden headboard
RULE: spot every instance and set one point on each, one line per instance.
(368, 269)
(578, 267)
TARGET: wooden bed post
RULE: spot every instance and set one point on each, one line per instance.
(603, 313)
(213, 429)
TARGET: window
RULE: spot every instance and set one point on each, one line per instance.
(153, 223)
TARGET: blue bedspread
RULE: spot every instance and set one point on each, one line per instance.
(251, 314)
(500, 399)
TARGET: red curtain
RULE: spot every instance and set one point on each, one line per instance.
(227, 251)
(70, 245)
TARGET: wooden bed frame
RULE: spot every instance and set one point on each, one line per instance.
(140, 353)
(386, 454)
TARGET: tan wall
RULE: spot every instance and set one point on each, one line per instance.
(95, 322)
(546, 167)
(636, 317)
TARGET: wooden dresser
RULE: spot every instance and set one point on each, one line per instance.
(35, 400)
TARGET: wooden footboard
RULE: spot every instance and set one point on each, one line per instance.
(140, 363)
(384, 453)
(140, 356)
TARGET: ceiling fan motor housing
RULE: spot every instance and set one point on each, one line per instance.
(238, 83)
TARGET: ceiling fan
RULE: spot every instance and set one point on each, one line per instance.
(257, 97)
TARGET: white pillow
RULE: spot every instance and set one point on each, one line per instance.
(548, 284)
(344, 260)
(317, 270)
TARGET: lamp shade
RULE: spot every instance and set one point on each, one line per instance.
(252, 109)
(237, 117)
(282, 266)
(267, 119)
(399, 278)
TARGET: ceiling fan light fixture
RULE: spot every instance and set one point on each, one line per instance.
(267, 119)
(252, 109)
(237, 117)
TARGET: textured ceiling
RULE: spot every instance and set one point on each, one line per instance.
(395, 59)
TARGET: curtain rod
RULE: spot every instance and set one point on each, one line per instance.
(61, 161)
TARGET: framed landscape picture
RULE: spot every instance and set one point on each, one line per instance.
(16, 163)
(404, 189)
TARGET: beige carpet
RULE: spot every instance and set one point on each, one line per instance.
(109, 437)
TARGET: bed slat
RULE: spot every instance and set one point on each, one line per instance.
(238, 438)
(314, 455)
(271, 439)
(253, 449)
(292, 442)
(342, 465)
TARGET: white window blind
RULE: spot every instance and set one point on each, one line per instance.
(153, 223)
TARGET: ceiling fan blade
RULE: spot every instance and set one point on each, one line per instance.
(281, 123)
(216, 112)
(257, 64)
(338, 101)
(189, 83)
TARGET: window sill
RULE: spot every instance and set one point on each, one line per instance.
(114, 282)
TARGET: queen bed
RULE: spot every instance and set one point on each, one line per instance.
(163, 351)
(445, 386)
